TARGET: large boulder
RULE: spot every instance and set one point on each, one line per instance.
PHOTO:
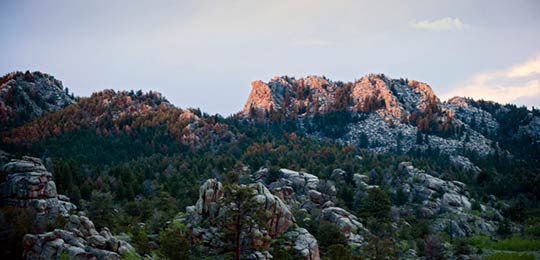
(301, 181)
(281, 218)
(31, 187)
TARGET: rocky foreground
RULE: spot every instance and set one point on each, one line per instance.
(29, 187)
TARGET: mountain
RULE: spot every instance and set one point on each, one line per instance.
(25, 96)
(392, 115)
(310, 169)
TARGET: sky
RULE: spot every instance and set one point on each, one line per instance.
(206, 53)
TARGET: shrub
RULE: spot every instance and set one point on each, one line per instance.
(329, 234)
(339, 252)
(174, 243)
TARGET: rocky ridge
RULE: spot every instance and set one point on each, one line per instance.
(393, 100)
(392, 115)
(25, 96)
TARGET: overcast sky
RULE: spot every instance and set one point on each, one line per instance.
(205, 53)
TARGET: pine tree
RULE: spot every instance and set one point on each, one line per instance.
(243, 212)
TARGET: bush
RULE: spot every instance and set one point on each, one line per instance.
(339, 252)
(461, 247)
(480, 241)
(329, 234)
(140, 240)
(174, 243)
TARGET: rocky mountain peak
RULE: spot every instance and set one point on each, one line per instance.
(29, 95)
(392, 99)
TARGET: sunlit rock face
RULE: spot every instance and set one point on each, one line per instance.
(392, 99)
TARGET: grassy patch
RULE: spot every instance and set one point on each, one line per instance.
(509, 256)
(518, 244)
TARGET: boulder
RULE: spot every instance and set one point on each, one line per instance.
(301, 181)
(348, 223)
(79, 239)
(304, 243)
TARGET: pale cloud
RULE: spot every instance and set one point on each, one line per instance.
(519, 82)
(529, 68)
(443, 24)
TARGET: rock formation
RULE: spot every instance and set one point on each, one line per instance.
(210, 209)
(446, 202)
(29, 186)
(79, 240)
(309, 193)
(392, 99)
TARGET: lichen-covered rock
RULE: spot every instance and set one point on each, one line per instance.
(315, 196)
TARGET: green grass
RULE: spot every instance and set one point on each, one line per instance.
(509, 256)
(517, 244)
